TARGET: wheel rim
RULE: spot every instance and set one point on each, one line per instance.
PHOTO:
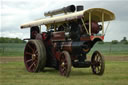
(97, 63)
(63, 65)
(31, 57)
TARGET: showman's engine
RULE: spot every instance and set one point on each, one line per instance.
(70, 34)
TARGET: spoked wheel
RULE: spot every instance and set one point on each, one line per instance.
(97, 63)
(34, 56)
(65, 64)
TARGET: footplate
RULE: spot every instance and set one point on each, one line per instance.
(81, 64)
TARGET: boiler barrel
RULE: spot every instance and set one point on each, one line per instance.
(73, 47)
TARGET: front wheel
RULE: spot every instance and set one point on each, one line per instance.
(97, 63)
(65, 64)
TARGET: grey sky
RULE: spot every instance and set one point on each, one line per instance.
(16, 12)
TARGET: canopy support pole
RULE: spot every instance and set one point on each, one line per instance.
(84, 25)
(103, 23)
(40, 28)
(107, 27)
(89, 23)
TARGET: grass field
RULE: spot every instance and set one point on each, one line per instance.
(14, 73)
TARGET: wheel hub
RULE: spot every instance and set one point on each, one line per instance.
(33, 56)
(96, 63)
(62, 64)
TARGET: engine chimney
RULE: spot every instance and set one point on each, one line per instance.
(70, 8)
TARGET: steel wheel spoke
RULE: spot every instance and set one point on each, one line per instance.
(28, 60)
(31, 48)
(36, 52)
(64, 71)
(98, 69)
(34, 64)
(99, 60)
(36, 55)
(35, 59)
(31, 66)
(28, 53)
(65, 64)
(97, 57)
(62, 59)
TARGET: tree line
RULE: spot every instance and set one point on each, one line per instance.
(124, 41)
(11, 40)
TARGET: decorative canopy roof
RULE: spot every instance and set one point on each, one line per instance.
(96, 15)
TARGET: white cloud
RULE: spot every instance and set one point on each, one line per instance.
(14, 35)
(16, 12)
(117, 31)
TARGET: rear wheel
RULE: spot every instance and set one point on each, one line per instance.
(34, 56)
(65, 64)
(97, 63)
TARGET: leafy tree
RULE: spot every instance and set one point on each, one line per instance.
(124, 40)
(114, 41)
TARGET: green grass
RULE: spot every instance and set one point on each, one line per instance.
(14, 73)
(107, 49)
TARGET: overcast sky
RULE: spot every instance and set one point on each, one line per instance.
(16, 12)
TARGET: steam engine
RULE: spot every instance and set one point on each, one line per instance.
(67, 40)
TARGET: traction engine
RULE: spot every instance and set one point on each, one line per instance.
(67, 41)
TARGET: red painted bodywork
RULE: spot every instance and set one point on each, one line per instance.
(96, 37)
